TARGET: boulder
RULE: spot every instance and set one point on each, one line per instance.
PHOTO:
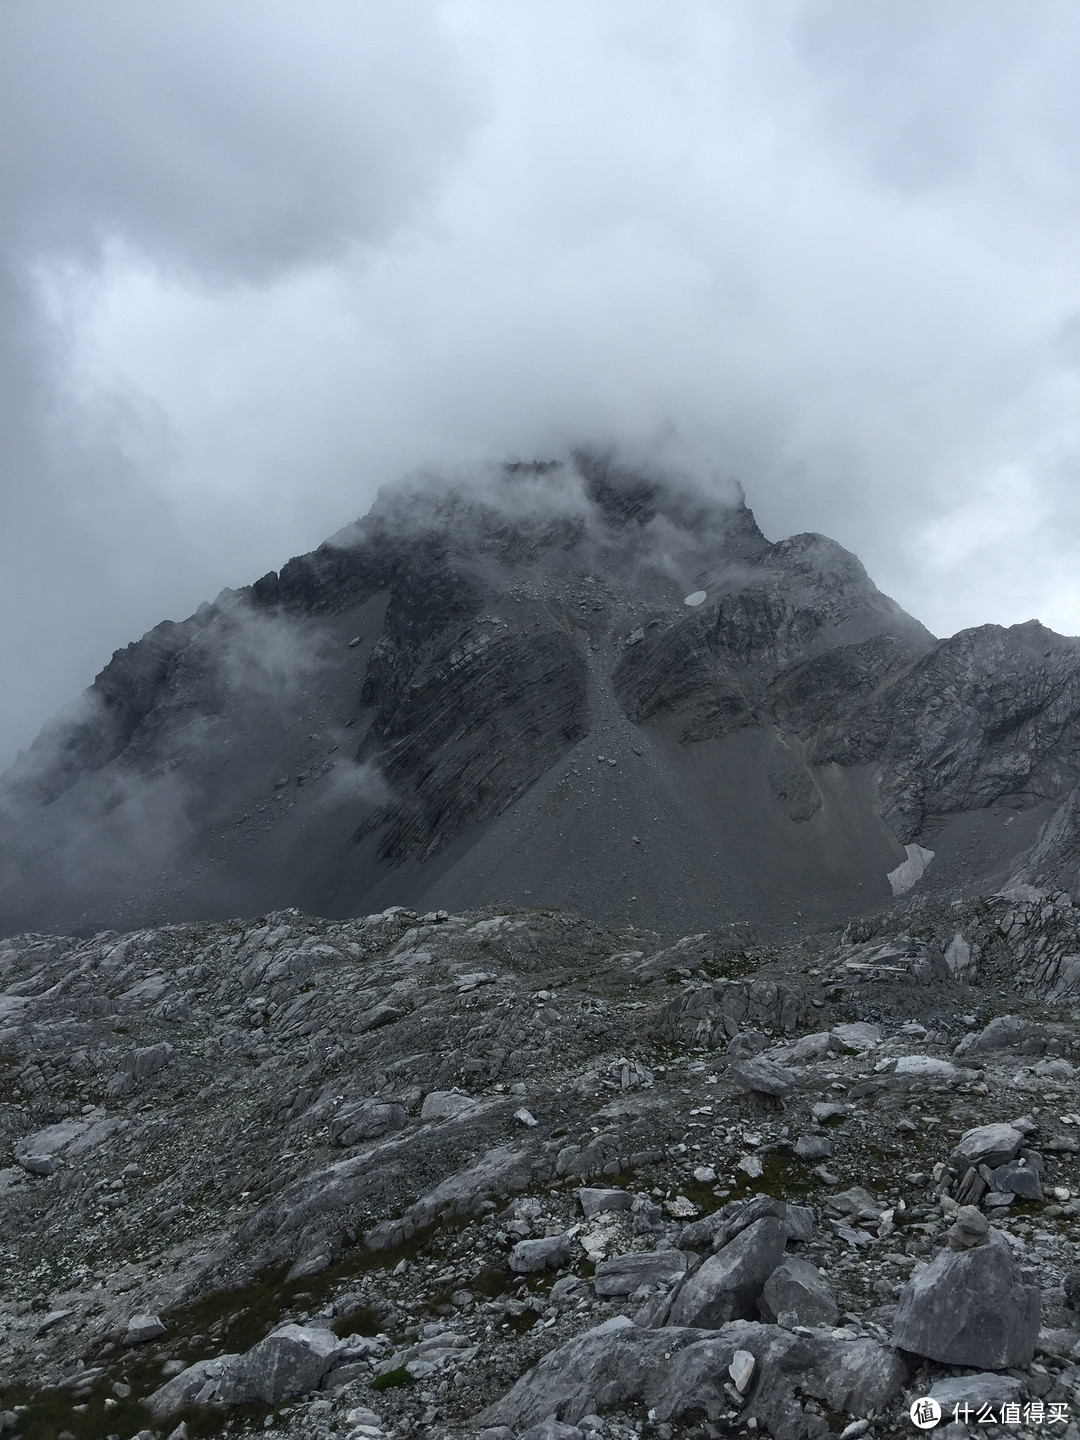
(676, 1371)
(595, 1201)
(974, 1390)
(1018, 1178)
(291, 1361)
(991, 1145)
(858, 1035)
(550, 1252)
(761, 1076)
(446, 1105)
(141, 1328)
(728, 1284)
(623, 1274)
(796, 1293)
(197, 1385)
(970, 1307)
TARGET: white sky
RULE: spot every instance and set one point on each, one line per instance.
(257, 259)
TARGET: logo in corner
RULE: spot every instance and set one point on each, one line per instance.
(925, 1412)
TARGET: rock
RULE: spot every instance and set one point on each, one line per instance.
(291, 1361)
(746, 1044)
(677, 1371)
(813, 1147)
(741, 1370)
(446, 1105)
(37, 1164)
(728, 1284)
(141, 1328)
(990, 1145)
(970, 1307)
(496, 1432)
(761, 1076)
(180, 1433)
(596, 1201)
(976, 1390)
(1006, 1032)
(796, 1293)
(624, 1274)
(526, 1117)
(551, 1429)
(970, 1228)
(925, 1067)
(365, 1120)
(548, 1253)
(1018, 1178)
(197, 1385)
(1071, 1285)
(858, 1035)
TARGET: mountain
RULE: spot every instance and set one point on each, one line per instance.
(561, 685)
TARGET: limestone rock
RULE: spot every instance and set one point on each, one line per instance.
(728, 1284)
(291, 1361)
(623, 1274)
(548, 1253)
(796, 1293)
(970, 1307)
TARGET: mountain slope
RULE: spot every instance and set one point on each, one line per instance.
(561, 685)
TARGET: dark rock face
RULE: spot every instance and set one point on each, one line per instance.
(562, 684)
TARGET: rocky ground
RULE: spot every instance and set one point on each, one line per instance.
(435, 1175)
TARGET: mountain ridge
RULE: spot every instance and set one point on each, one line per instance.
(413, 713)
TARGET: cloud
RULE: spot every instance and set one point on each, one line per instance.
(261, 259)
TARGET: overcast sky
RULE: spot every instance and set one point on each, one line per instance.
(258, 258)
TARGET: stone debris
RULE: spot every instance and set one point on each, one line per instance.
(437, 1257)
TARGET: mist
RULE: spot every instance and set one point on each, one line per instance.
(257, 261)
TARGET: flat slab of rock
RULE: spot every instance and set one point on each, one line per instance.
(859, 1035)
(446, 1105)
(925, 1067)
(991, 1145)
(728, 1284)
(970, 1307)
(975, 1390)
(623, 1274)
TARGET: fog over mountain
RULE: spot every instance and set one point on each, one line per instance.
(258, 260)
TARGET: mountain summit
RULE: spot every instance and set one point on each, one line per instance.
(560, 685)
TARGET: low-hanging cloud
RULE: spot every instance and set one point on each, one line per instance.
(260, 259)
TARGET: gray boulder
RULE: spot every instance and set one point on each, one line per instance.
(548, 1253)
(796, 1293)
(976, 1390)
(970, 1307)
(141, 1328)
(446, 1105)
(623, 1274)
(761, 1076)
(674, 1371)
(292, 1360)
(991, 1145)
(594, 1201)
(365, 1120)
(197, 1385)
(1018, 1178)
(728, 1284)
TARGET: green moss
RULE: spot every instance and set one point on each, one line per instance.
(392, 1378)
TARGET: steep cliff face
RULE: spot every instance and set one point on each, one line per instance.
(555, 684)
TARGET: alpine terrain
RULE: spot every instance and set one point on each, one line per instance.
(551, 964)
